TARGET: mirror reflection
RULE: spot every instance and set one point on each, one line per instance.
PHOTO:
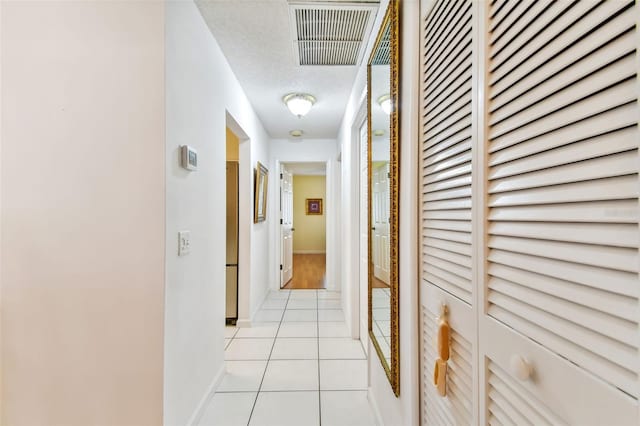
(380, 109)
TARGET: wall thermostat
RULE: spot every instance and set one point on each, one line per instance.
(189, 157)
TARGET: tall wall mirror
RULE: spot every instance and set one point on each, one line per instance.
(383, 94)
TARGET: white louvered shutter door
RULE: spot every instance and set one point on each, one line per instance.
(562, 283)
(447, 141)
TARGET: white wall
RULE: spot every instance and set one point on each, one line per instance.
(82, 197)
(307, 150)
(404, 410)
(201, 93)
(350, 175)
(260, 243)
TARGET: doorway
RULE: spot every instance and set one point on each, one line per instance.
(239, 217)
(232, 210)
(303, 193)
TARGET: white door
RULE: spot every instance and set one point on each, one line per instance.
(364, 236)
(529, 211)
(380, 205)
(286, 228)
(560, 290)
(447, 265)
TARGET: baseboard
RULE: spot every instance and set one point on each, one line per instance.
(374, 407)
(310, 252)
(202, 405)
(243, 323)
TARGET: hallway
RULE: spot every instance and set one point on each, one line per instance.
(455, 182)
(297, 367)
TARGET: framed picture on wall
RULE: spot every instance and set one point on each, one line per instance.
(260, 193)
(314, 206)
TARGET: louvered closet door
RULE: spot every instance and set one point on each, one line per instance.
(447, 144)
(562, 229)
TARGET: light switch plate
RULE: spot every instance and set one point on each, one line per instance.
(184, 243)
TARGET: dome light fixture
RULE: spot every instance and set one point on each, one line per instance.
(296, 133)
(385, 103)
(378, 132)
(299, 103)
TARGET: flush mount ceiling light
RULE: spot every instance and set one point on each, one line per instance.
(378, 132)
(296, 133)
(299, 103)
(385, 103)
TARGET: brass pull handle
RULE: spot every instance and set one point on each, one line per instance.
(444, 333)
(440, 376)
(444, 351)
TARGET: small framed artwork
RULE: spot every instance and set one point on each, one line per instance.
(189, 157)
(314, 206)
(260, 193)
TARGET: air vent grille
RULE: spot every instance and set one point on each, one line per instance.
(331, 35)
(383, 53)
(328, 52)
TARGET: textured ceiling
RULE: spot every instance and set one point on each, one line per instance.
(256, 38)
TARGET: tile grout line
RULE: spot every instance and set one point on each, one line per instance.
(269, 359)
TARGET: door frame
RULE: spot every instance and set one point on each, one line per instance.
(355, 278)
(331, 214)
(245, 220)
(280, 234)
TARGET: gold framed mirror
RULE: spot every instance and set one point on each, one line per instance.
(383, 193)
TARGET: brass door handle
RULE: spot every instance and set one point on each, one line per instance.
(444, 351)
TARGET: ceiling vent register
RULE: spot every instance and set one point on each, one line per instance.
(330, 33)
(383, 52)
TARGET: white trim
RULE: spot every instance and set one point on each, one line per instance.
(374, 407)
(479, 204)
(353, 256)
(358, 316)
(309, 252)
(276, 234)
(204, 401)
(1, 263)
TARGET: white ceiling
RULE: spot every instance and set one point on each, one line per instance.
(256, 38)
(309, 169)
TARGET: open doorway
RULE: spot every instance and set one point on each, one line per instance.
(239, 217)
(232, 234)
(303, 193)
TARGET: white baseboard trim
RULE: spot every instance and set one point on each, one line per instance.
(202, 405)
(310, 252)
(374, 407)
(243, 323)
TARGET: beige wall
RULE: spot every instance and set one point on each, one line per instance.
(82, 207)
(233, 146)
(310, 233)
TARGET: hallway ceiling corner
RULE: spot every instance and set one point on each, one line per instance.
(259, 39)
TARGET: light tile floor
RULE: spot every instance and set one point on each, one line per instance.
(296, 366)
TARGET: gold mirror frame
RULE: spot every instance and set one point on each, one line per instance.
(391, 18)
